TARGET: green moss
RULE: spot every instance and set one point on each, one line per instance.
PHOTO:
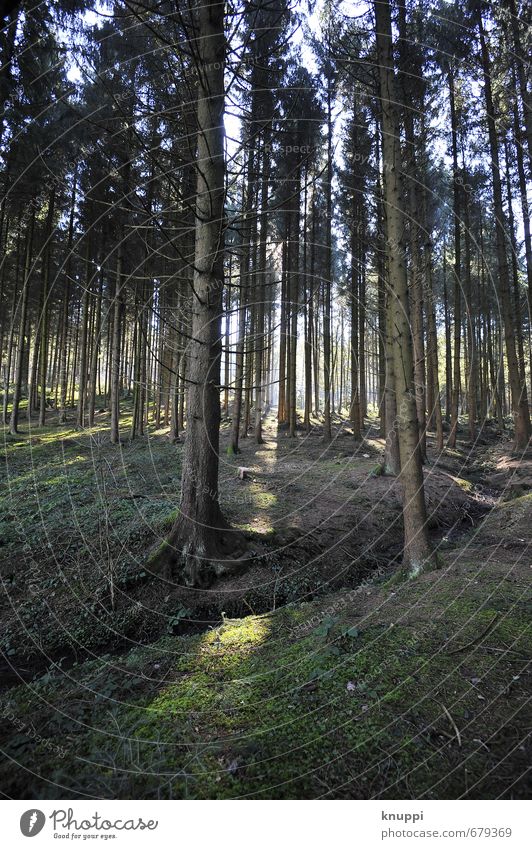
(290, 704)
(261, 499)
(159, 552)
(252, 709)
(465, 485)
(168, 522)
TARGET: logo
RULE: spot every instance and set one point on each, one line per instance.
(32, 822)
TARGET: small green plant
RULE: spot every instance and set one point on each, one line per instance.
(326, 625)
(175, 621)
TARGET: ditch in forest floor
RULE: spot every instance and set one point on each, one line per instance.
(317, 520)
(346, 692)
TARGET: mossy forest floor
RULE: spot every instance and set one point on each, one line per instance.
(312, 674)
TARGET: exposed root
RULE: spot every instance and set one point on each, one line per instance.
(198, 557)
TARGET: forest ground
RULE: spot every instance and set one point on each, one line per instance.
(311, 674)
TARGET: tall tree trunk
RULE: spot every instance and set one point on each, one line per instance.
(518, 389)
(417, 553)
(392, 461)
(45, 308)
(63, 373)
(354, 411)
(362, 334)
(525, 210)
(239, 356)
(200, 539)
(522, 65)
(260, 289)
(518, 313)
(95, 353)
(13, 422)
(457, 321)
(380, 264)
(307, 297)
(116, 347)
(448, 349)
(10, 344)
(327, 433)
(313, 314)
(293, 288)
(416, 306)
(82, 384)
(472, 383)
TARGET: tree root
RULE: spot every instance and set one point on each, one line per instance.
(199, 557)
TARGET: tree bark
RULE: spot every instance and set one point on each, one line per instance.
(417, 552)
(520, 408)
(115, 348)
(43, 362)
(455, 392)
(260, 289)
(327, 433)
(82, 383)
(13, 422)
(354, 410)
(201, 541)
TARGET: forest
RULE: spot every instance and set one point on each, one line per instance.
(265, 368)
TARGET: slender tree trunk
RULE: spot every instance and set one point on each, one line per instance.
(95, 354)
(63, 374)
(10, 344)
(362, 335)
(307, 295)
(45, 308)
(432, 347)
(525, 208)
(380, 263)
(416, 305)
(227, 340)
(282, 411)
(239, 360)
(200, 538)
(327, 433)
(456, 384)
(392, 462)
(293, 285)
(260, 288)
(354, 411)
(518, 389)
(514, 253)
(522, 65)
(417, 550)
(448, 350)
(313, 313)
(13, 422)
(472, 369)
(115, 348)
(82, 384)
